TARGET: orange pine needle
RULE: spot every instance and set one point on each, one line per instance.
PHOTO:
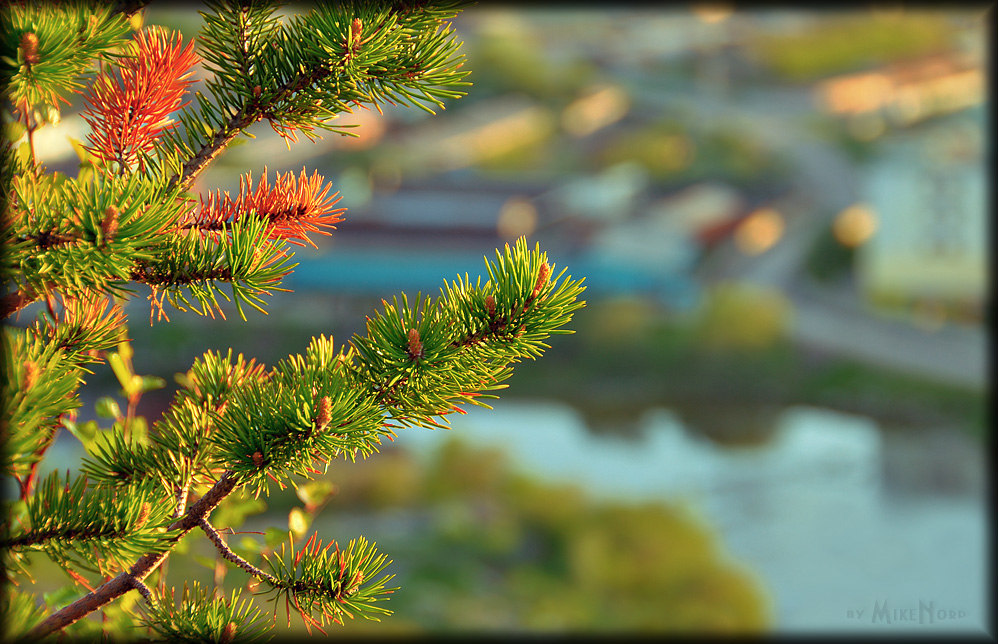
(79, 579)
(294, 206)
(129, 108)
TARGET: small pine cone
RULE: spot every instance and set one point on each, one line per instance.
(357, 580)
(29, 45)
(109, 225)
(30, 374)
(258, 458)
(325, 413)
(490, 305)
(542, 279)
(228, 633)
(415, 345)
(257, 91)
(356, 27)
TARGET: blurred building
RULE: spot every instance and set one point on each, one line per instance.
(927, 193)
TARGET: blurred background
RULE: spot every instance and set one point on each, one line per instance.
(772, 415)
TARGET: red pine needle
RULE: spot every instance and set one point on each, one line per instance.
(79, 579)
(128, 109)
(293, 206)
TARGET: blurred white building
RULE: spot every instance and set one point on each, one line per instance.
(927, 192)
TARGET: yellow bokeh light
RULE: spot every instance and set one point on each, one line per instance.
(712, 13)
(854, 225)
(678, 152)
(598, 109)
(759, 231)
(517, 217)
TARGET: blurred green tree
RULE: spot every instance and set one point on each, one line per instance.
(234, 428)
(501, 551)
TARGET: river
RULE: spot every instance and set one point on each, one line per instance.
(810, 511)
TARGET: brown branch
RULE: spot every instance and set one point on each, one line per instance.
(129, 7)
(211, 149)
(248, 115)
(14, 302)
(133, 578)
(227, 553)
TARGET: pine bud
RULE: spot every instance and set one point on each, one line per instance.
(258, 458)
(325, 413)
(257, 91)
(109, 225)
(29, 45)
(227, 633)
(415, 345)
(30, 374)
(542, 279)
(357, 580)
(355, 28)
(490, 305)
(143, 515)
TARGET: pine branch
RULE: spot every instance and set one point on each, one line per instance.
(14, 302)
(128, 109)
(250, 113)
(142, 568)
(314, 69)
(227, 553)
(293, 207)
(204, 617)
(129, 7)
(127, 218)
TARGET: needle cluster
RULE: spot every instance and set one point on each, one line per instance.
(160, 108)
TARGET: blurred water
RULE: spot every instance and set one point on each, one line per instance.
(807, 512)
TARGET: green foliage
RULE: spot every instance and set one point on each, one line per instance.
(203, 616)
(32, 404)
(842, 43)
(79, 245)
(335, 583)
(96, 528)
(43, 68)
(52, 252)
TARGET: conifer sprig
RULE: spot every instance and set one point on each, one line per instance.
(76, 237)
(48, 48)
(39, 385)
(302, 75)
(187, 275)
(203, 616)
(77, 243)
(293, 207)
(331, 582)
(89, 528)
(129, 108)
